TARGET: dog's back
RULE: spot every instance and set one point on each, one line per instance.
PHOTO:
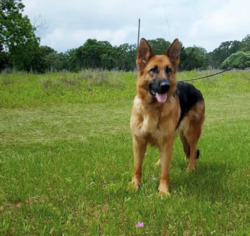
(188, 96)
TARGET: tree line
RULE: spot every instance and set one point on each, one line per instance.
(20, 50)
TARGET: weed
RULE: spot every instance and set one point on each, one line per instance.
(102, 78)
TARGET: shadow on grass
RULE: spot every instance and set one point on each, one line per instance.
(209, 182)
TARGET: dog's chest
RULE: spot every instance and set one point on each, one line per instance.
(153, 126)
(150, 124)
(153, 123)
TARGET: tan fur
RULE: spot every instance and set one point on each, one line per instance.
(155, 123)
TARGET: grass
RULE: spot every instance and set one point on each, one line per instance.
(66, 159)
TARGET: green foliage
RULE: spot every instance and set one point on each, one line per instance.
(66, 159)
(41, 62)
(22, 56)
(13, 24)
(193, 58)
(98, 54)
(239, 60)
(94, 54)
(159, 45)
(223, 51)
(56, 61)
(4, 59)
(101, 54)
(17, 35)
(125, 57)
(245, 44)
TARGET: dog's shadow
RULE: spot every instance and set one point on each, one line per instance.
(210, 181)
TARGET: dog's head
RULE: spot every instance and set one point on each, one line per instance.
(156, 75)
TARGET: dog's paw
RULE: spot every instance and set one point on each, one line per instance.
(135, 183)
(190, 168)
(133, 187)
(164, 195)
(163, 191)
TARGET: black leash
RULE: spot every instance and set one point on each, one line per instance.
(204, 77)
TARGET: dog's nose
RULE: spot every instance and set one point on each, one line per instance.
(164, 86)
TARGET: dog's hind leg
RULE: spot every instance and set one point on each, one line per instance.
(195, 118)
(193, 156)
(186, 146)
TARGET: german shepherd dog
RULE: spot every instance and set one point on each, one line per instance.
(162, 108)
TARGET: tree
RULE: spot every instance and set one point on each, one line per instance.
(93, 54)
(245, 44)
(4, 59)
(89, 54)
(72, 61)
(159, 45)
(224, 51)
(125, 57)
(240, 60)
(56, 61)
(17, 35)
(41, 63)
(193, 58)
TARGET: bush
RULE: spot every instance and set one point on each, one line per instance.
(238, 60)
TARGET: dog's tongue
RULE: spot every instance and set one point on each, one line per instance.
(161, 97)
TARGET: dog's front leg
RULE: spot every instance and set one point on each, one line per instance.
(139, 148)
(166, 152)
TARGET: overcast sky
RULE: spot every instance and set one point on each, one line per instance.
(67, 24)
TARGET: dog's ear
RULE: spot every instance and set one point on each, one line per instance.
(144, 53)
(174, 52)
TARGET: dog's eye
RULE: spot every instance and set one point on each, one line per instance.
(168, 70)
(154, 70)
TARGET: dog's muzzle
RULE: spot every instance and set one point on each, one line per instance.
(159, 86)
(158, 89)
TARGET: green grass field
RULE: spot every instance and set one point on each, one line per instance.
(66, 159)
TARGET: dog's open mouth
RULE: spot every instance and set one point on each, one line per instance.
(161, 97)
(159, 89)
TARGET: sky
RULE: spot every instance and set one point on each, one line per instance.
(67, 24)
